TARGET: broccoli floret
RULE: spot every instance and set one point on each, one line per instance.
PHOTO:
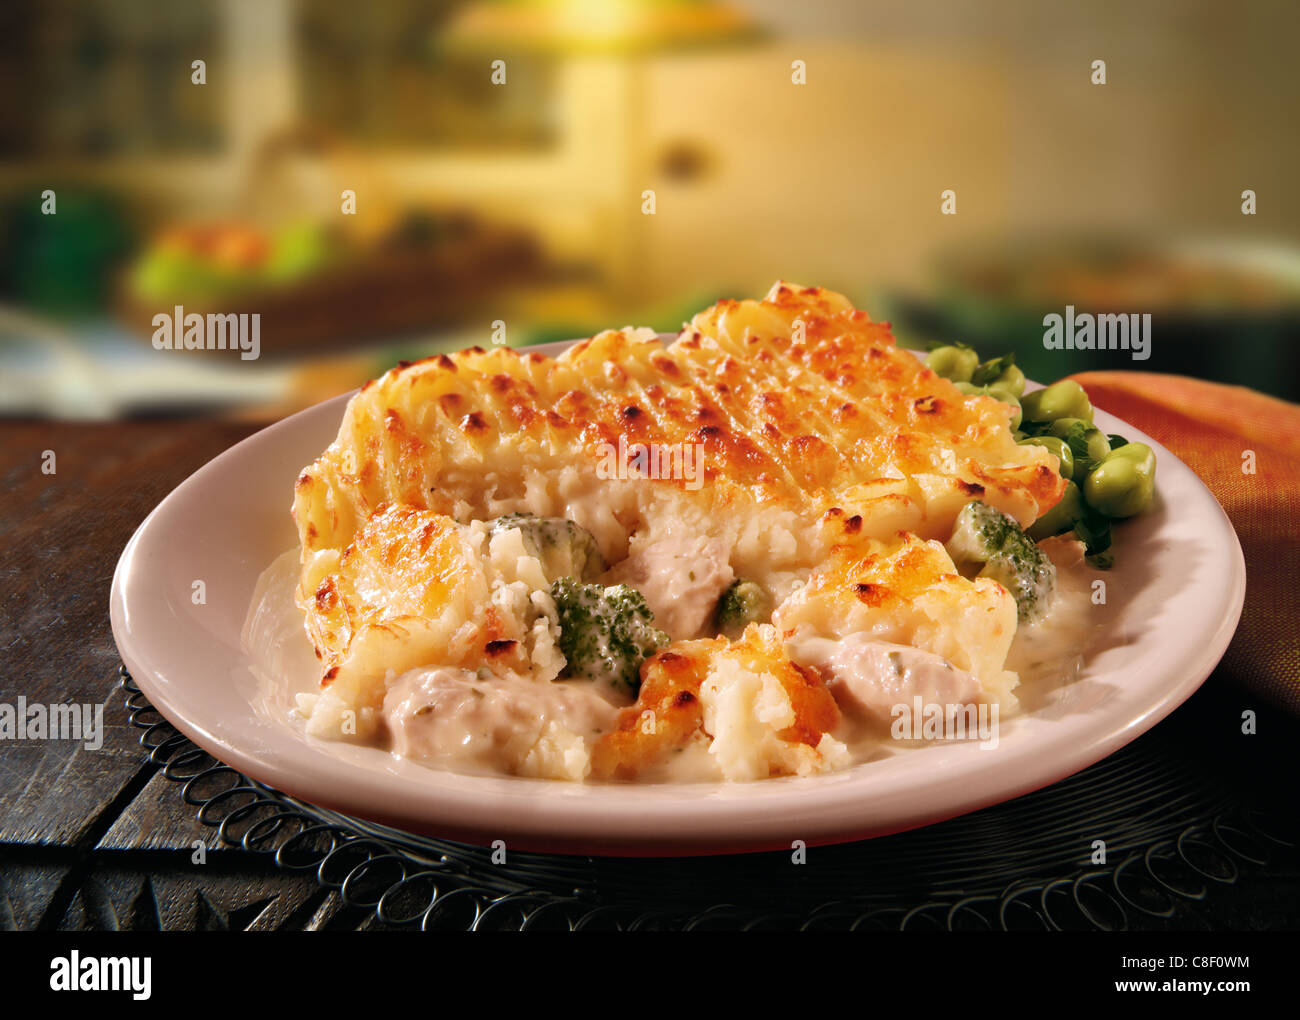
(565, 549)
(984, 535)
(744, 602)
(605, 633)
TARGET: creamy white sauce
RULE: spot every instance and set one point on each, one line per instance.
(691, 763)
(455, 718)
(275, 637)
(1049, 653)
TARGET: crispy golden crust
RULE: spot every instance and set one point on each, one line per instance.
(815, 712)
(666, 715)
(668, 712)
(850, 408)
(403, 563)
(797, 399)
(406, 592)
(906, 590)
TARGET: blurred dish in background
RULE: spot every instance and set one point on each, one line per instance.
(314, 289)
(1209, 302)
(317, 275)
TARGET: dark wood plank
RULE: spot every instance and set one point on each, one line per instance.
(119, 839)
(27, 887)
(157, 818)
(164, 894)
(63, 533)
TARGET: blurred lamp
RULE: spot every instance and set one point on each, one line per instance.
(593, 26)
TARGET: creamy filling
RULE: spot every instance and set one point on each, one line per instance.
(454, 717)
(534, 725)
(872, 680)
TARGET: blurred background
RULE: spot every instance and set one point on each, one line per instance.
(520, 201)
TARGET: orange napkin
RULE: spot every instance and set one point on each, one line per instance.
(1209, 426)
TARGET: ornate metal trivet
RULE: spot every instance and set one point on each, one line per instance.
(1176, 837)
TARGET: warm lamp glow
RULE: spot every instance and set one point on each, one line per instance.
(593, 25)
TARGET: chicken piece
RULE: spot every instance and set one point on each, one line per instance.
(682, 577)
(446, 716)
(868, 678)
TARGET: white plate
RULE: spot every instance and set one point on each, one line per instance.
(1174, 598)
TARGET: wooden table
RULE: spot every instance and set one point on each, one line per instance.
(100, 839)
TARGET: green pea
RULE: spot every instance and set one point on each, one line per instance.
(998, 392)
(1064, 399)
(1061, 517)
(1120, 486)
(1095, 438)
(1011, 379)
(1061, 427)
(955, 363)
(1098, 444)
(970, 389)
(1141, 454)
(1059, 448)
